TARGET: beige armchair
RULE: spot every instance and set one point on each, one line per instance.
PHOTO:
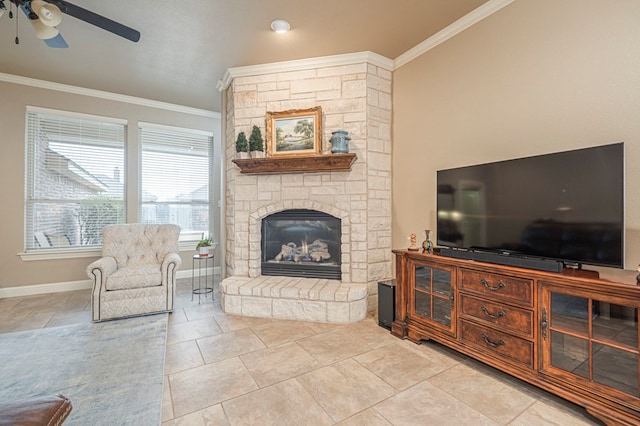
(136, 274)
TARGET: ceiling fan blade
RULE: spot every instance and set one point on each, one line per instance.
(57, 41)
(97, 20)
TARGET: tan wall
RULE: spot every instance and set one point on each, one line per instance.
(13, 100)
(538, 76)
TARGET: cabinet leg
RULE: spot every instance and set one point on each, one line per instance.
(399, 329)
(415, 337)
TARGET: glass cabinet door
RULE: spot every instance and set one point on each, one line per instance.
(591, 339)
(433, 295)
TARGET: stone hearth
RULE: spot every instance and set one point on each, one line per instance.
(292, 298)
(354, 96)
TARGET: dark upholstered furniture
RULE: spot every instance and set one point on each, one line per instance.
(48, 410)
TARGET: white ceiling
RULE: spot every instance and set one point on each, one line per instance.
(186, 46)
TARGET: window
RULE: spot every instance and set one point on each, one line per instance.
(74, 178)
(175, 175)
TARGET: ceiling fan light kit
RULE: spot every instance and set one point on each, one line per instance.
(42, 30)
(48, 13)
(45, 15)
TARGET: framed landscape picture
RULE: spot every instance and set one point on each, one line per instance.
(294, 132)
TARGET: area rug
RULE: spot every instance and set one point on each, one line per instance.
(112, 371)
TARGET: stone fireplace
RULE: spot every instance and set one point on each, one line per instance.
(354, 92)
(301, 243)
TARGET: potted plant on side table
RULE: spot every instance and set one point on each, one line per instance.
(203, 246)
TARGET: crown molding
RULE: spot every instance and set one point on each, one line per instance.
(471, 18)
(305, 64)
(42, 84)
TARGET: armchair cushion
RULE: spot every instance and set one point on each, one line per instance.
(134, 277)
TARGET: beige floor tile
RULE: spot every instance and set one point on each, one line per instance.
(426, 404)
(203, 310)
(79, 300)
(234, 322)
(282, 404)
(278, 333)
(369, 417)
(54, 302)
(345, 388)
(273, 365)
(335, 359)
(541, 414)
(332, 347)
(543, 397)
(372, 334)
(182, 356)
(68, 318)
(177, 316)
(167, 406)
(208, 385)
(323, 327)
(210, 416)
(192, 330)
(435, 351)
(8, 306)
(30, 321)
(493, 398)
(229, 345)
(398, 366)
(14, 314)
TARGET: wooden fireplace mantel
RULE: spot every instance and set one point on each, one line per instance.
(296, 164)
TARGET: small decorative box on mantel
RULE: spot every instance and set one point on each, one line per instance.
(296, 164)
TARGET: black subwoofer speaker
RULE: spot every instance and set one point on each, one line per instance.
(386, 303)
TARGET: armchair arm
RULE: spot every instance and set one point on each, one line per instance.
(171, 258)
(170, 263)
(101, 268)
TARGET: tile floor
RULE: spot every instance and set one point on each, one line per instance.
(229, 370)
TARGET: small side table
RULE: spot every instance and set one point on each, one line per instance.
(203, 285)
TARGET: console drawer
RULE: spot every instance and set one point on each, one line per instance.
(506, 317)
(499, 344)
(498, 286)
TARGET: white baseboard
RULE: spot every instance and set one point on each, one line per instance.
(35, 289)
(30, 290)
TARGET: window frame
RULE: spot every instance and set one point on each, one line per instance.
(185, 244)
(44, 253)
(132, 183)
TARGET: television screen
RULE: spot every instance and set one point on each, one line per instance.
(566, 206)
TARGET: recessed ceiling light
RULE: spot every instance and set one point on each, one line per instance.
(280, 26)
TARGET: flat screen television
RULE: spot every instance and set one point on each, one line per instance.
(567, 207)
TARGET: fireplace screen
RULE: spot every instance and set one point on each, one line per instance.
(301, 243)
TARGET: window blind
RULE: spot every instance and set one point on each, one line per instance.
(175, 174)
(74, 178)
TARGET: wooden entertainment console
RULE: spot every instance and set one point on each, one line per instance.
(574, 336)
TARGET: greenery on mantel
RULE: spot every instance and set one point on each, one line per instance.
(296, 164)
(241, 143)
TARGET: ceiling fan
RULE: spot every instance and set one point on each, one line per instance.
(45, 15)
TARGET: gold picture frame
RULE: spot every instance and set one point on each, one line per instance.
(294, 132)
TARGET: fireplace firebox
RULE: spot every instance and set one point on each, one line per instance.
(301, 243)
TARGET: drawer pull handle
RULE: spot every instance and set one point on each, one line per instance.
(544, 324)
(486, 312)
(490, 343)
(486, 284)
